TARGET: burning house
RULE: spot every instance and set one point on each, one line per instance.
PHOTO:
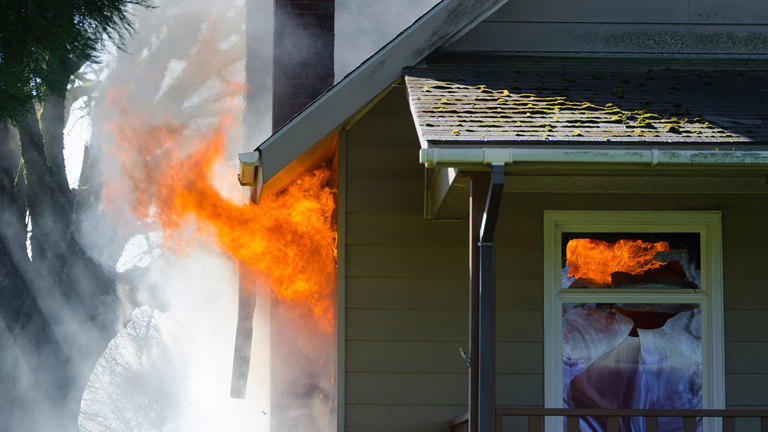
(548, 215)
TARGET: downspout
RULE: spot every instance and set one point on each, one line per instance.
(478, 195)
(486, 361)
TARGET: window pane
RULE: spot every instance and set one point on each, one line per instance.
(631, 260)
(632, 356)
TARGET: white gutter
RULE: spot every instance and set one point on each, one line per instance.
(432, 157)
(248, 175)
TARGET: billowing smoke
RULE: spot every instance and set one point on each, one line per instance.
(364, 26)
(170, 123)
(179, 85)
(168, 368)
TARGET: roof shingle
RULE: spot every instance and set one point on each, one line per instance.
(501, 100)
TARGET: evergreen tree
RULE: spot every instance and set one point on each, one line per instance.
(57, 304)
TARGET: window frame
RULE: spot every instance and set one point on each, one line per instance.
(709, 296)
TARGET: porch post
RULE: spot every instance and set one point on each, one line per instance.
(478, 195)
(487, 304)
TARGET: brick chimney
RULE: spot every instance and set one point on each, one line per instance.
(303, 55)
(302, 71)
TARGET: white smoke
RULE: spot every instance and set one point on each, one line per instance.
(364, 26)
(169, 368)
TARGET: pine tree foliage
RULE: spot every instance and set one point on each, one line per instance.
(43, 42)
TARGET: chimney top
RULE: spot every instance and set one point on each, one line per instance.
(303, 55)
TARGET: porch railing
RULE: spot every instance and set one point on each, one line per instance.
(460, 424)
(612, 418)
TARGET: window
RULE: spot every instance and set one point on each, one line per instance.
(633, 312)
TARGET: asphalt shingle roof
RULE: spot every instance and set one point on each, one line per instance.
(502, 100)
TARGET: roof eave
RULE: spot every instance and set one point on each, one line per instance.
(432, 30)
(446, 188)
(453, 157)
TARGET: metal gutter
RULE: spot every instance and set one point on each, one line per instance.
(433, 157)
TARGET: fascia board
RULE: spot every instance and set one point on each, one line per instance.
(442, 157)
(431, 31)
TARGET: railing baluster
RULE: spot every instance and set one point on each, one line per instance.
(499, 423)
(689, 424)
(651, 424)
(573, 424)
(612, 424)
(460, 424)
(763, 424)
(535, 424)
(729, 424)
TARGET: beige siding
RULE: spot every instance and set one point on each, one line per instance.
(406, 313)
(623, 26)
(406, 418)
(406, 286)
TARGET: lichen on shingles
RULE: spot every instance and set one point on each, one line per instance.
(633, 104)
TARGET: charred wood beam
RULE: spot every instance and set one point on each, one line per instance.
(241, 361)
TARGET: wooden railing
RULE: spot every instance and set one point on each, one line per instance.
(460, 424)
(612, 418)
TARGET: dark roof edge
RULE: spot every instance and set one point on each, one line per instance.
(444, 21)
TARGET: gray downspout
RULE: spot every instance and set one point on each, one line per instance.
(487, 303)
(478, 195)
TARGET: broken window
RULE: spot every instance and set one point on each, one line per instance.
(632, 356)
(629, 315)
(631, 260)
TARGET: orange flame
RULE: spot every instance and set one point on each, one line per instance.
(595, 260)
(286, 245)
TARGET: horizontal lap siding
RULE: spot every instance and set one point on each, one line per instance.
(362, 417)
(406, 286)
(406, 290)
(654, 26)
(745, 254)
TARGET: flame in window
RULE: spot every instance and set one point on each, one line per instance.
(595, 260)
